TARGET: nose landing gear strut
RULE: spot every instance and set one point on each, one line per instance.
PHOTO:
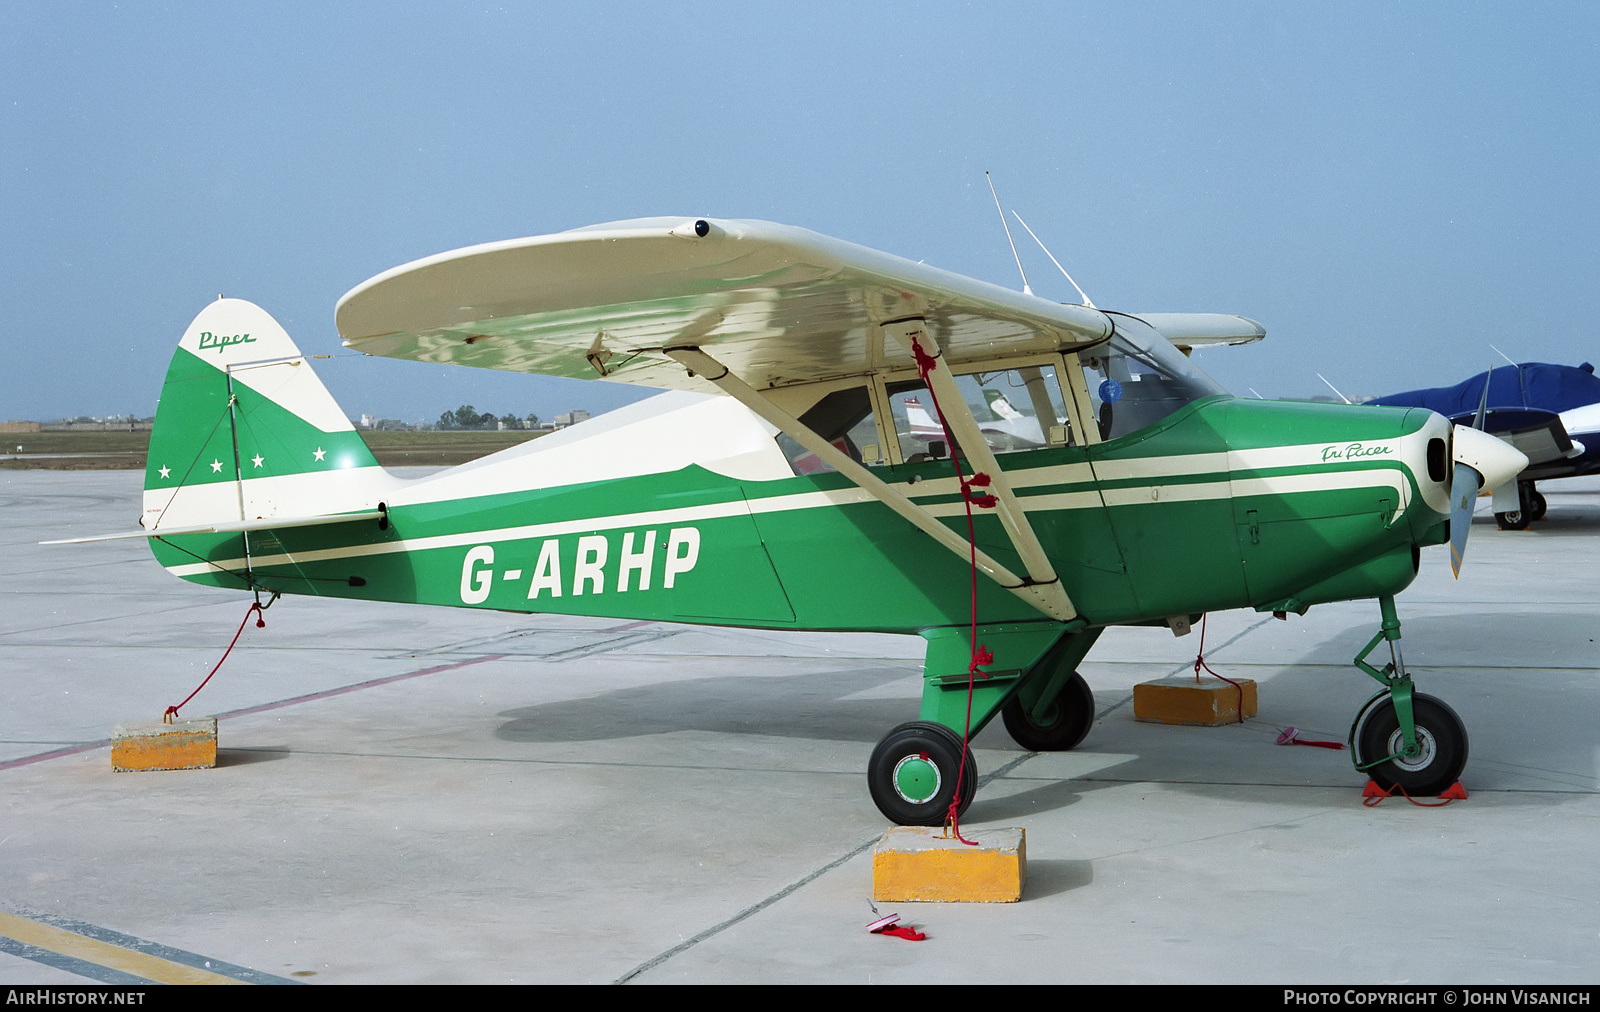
(1401, 737)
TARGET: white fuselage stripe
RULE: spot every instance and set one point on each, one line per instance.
(1087, 499)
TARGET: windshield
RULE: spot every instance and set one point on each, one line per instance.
(1138, 378)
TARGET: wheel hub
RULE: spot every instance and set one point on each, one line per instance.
(1426, 750)
(916, 779)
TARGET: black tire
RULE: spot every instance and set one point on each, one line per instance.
(913, 772)
(1516, 520)
(1376, 733)
(1068, 722)
(1536, 506)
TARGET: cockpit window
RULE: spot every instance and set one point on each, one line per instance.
(1138, 378)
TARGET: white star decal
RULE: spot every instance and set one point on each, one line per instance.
(258, 460)
(319, 453)
(166, 472)
(216, 465)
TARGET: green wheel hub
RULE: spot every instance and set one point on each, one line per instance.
(915, 770)
(916, 779)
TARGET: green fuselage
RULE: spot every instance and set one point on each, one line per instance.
(1226, 503)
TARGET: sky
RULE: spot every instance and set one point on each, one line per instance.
(1390, 188)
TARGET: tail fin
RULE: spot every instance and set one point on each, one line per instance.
(922, 423)
(999, 406)
(245, 430)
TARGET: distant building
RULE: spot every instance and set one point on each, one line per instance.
(570, 418)
(367, 421)
(83, 423)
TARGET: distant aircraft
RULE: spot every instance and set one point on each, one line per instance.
(1549, 412)
(1145, 494)
(1006, 428)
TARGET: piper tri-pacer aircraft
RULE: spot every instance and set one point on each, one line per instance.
(1154, 498)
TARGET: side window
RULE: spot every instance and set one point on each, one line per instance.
(1016, 409)
(845, 419)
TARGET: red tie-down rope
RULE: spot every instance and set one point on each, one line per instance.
(1200, 662)
(980, 654)
(261, 623)
(891, 925)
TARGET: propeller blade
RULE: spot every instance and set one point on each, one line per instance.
(1463, 490)
(1483, 402)
(1482, 462)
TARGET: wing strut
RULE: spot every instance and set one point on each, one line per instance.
(1049, 598)
(1041, 574)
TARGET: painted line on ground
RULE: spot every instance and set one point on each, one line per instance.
(799, 883)
(115, 958)
(369, 684)
(262, 708)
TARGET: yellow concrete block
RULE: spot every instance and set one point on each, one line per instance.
(916, 864)
(1210, 702)
(188, 743)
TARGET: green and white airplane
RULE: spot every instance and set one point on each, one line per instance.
(769, 486)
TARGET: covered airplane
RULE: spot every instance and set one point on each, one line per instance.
(771, 487)
(1549, 412)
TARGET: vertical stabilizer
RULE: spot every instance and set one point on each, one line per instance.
(245, 430)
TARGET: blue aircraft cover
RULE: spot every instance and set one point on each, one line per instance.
(1530, 385)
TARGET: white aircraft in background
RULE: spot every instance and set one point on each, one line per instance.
(1008, 428)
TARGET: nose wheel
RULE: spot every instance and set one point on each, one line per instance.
(1430, 766)
(915, 772)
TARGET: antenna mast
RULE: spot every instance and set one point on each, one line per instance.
(1081, 293)
(1025, 289)
(1335, 389)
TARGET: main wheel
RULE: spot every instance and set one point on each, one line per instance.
(1536, 506)
(913, 772)
(1441, 737)
(1067, 721)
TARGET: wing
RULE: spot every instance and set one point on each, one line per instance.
(778, 305)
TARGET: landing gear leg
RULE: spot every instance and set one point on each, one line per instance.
(1536, 503)
(914, 771)
(1530, 507)
(1053, 708)
(1400, 737)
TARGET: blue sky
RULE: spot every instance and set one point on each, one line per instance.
(1389, 188)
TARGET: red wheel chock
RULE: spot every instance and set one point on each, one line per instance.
(1372, 795)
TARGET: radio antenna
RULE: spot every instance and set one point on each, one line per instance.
(1335, 389)
(1081, 293)
(1025, 289)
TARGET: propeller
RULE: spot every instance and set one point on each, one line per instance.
(1482, 462)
